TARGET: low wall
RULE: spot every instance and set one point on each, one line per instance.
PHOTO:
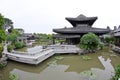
(37, 57)
(31, 59)
(64, 48)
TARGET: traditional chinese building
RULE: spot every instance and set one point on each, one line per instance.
(116, 34)
(81, 25)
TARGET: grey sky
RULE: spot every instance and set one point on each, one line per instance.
(41, 16)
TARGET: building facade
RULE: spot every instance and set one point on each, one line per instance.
(81, 25)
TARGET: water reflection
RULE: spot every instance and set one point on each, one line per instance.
(58, 72)
(104, 74)
(50, 73)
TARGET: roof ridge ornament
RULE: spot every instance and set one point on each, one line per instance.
(82, 16)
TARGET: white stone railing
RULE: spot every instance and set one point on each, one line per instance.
(36, 59)
(39, 56)
(61, 46)
(64, 48)
(29, 53)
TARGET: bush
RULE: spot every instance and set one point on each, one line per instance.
(90, 41)
(1, 50)
(9, 48)
(101, 46)
(117, 73)
(19, 45)
(12, 38)
(109, 40)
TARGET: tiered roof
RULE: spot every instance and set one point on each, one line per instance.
(81, 25)
(81, 19)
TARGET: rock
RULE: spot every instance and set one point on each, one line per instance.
(80, 52)
(116, 49)
(3, 61)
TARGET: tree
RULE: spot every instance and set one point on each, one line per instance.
(90, 41)
(14, 31)
(2, 31)
(2, 22)
(8, 22)
(2, 34)
(18, 31)
(12, 38)
(8, 25)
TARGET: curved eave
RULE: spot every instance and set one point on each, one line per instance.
(88, 21)
(77, 31)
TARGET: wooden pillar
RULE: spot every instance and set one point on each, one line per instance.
(53, 39)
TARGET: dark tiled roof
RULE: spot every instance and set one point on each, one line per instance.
(81, 25)
(27, 34)
(82, 29)
(81, 19)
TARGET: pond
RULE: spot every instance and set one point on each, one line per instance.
(100, 66)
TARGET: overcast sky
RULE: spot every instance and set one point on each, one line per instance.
(41, 16)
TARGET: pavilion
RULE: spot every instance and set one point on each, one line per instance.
(81, 25)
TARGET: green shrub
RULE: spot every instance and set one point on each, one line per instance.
(117, 73)
(12, 38)
(101, 46)
(9, 48)
(19, 45)
(1, 50)
(109, 40)
(89, 41)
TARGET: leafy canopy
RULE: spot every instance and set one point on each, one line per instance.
(2, 22)
(2, 36)
(110, 40)
(12, 38)
(2, 31)
(89, 41)
(19, 45)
